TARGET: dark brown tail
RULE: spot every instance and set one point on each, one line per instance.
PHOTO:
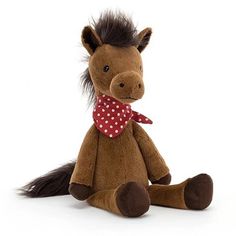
(54, 183)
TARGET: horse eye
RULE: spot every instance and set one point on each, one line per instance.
(140, 68)
(106, 68)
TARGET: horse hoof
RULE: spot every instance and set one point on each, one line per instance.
(132, 199)
(198, 192)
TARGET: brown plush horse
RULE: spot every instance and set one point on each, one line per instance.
(117, 157)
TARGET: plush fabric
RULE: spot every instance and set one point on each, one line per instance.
(130, 199)
(111, 116)
(168, 195)
(165, 180)
(120, 61)
(80, 191)
(194, 193)
(198, 192)
(109, 161)
(155, 164)
(117, 160)
(86, 163)
(113, 173)
(105, 199)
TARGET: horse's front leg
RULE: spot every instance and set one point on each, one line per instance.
(194, 193)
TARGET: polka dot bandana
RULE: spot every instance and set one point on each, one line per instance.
(111, 116)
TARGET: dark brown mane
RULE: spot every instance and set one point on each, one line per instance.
(116, 29)
(87, 87)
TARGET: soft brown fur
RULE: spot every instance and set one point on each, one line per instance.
(114, 173)
(123, 164)
(128, 157)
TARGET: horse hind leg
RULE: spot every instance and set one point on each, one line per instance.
(130, 199)
(194, 193)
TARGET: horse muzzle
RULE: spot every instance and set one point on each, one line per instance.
(127, 87)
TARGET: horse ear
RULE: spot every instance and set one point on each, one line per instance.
(144, 37)
(90, 39)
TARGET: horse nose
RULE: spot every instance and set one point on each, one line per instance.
(122, 85)
(127, 85)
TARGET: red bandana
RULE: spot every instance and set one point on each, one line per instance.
(111, 116)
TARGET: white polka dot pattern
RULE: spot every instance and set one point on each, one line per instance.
(116, 116)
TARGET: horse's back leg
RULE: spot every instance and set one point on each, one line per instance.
(130, 199)
(194, 193)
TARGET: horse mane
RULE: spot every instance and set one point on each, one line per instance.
(116, 29)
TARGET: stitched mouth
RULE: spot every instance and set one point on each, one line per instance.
(130, 98)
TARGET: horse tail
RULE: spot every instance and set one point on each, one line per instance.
(54, 183)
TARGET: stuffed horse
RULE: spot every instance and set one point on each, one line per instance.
(117, 158)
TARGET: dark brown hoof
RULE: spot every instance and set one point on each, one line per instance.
(164, 180)
(198, 192)
(80, 191)
(132, 199)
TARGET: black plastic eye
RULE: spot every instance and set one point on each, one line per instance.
(106, 68)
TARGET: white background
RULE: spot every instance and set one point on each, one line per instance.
(189, 73)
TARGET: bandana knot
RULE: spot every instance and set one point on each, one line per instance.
(111, 116)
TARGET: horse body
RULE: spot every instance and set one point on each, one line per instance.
(118, 161)
(112, 173)
(113, 167)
